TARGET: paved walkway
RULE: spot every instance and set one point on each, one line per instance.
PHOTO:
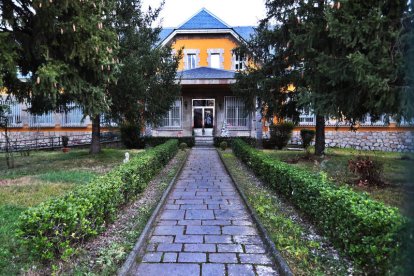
(204, 228)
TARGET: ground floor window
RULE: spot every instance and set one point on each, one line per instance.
(173, 116)
(236, 113)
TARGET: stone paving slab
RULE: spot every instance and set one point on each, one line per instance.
(204, 227)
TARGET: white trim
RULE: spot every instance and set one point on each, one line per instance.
(202, 31)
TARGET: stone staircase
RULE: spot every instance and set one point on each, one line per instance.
(204, 141)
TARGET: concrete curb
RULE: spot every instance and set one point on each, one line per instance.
(283, 267)
(139, 246)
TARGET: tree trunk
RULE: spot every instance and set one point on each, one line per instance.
(320, 135)
(96, 134)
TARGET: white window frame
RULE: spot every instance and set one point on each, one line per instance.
(43, 120)
(188, 52)
(169, 116)
(73, 117)
(237, 61)
(216, 51)
(235, 123)
(14, 112)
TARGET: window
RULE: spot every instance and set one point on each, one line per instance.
(239, 62)
(191, 58)
(73, 116)
(13, 113)
(191, 61)
(215, 61)
(215, 58)
(173, 116)
(236, 113)
(43, 120)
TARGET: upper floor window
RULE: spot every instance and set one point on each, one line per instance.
(215, 58)
(239, 62)
(191, 61)
(191, 58)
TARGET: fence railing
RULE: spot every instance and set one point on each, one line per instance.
(52, 142)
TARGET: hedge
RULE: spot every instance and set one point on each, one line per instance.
(217, 140)
(55, 227)
(155, 141)
(368, 231)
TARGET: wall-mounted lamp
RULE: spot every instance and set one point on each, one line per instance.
(185, 104)
(221, 105)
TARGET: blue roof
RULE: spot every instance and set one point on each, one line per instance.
(244, 31)
(205, 73)
(164, 33)
(204, 20)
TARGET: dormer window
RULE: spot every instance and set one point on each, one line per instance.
(191, 58)
(215, 58)
(239, 62)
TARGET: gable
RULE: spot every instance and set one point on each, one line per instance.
(203, 20)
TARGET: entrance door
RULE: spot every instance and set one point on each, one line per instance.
(203, 117)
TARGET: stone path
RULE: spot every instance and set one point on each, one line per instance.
(204, 228)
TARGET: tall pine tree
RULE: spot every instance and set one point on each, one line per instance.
(146, 86)
(70, 47)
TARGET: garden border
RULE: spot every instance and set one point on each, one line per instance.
(138, 247)
(283, 267)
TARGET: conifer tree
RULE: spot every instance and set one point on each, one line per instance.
(146, 86)
(70, 47)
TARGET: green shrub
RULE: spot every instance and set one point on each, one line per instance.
(280, 134)
(183, 146)
(307, 135)
(223, 145)
(55, 227)
(249, 140)
(368, 231)
(268, 144)
(155, 141)
(65, 141)
(130, 136)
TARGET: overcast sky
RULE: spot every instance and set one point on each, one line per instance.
(232, 12)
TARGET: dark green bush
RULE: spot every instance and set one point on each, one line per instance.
(55, 227)
(280, 134)
(368, 231)
(130, 136)
(223, 145)
(183, 146)
(268, 144)
(65, 141)
(307, 135)
(155, 141)
(249, 140)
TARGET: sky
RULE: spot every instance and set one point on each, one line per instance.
(232, 12)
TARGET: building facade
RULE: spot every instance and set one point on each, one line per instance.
(206, 72)
(207, 106)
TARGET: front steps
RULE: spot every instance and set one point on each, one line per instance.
(204, 141)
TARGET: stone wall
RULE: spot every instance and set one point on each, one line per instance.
(398, 141)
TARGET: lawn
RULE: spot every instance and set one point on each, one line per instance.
(335, 164)
(36, 178)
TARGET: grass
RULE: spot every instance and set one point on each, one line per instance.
(39, 177)
(304, 255)
(335, 165)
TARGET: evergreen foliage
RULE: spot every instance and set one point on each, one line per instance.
(146, 86)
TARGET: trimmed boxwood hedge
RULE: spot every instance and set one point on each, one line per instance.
(217, 140)
(368, 231)
(53, 228)
(155, 141)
